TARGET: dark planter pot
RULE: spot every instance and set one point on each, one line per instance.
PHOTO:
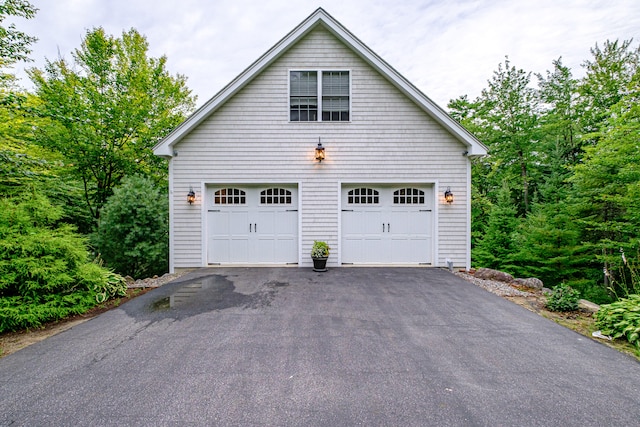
(320, 264)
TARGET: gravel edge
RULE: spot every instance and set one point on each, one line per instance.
(499, 288)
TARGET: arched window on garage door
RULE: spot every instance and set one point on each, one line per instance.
(230, 196)
(275, 196)
(363, 196)
(408, 196)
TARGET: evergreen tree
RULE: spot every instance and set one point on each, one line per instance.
(606, 185)
(133, 231)
(496, 247)
(559, 118)
(608, 76)
(509, 108)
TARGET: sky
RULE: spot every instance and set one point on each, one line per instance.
(446, 48)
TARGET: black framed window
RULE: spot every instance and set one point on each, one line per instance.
(303, 96)
(327, 91)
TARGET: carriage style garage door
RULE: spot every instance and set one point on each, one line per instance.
(252, 224)
(387, 224)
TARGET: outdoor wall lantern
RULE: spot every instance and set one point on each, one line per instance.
(319, 151)
(448, 195)
(191, 196)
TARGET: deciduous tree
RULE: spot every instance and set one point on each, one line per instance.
(109, 107)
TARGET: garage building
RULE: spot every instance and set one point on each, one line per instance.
(319, 139)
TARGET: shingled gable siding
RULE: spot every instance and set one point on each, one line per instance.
(250, 140)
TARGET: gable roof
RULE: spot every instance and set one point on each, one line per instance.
(320, 17)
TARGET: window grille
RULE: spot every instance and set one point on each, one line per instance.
(408, 196)
(275, 196)
(230, 196)
(363, 196)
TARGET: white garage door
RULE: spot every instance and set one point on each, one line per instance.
(387, 225)
(252, 225)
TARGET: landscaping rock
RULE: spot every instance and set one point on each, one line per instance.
(531, 282)
(499, 288)
(155, 281)
(490, 274)
(588, 306)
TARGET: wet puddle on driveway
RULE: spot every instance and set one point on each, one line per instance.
(216, 292)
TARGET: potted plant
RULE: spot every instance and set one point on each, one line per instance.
(319, 255)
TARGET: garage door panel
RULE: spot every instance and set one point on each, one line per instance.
(276, 236)
(229, 235)
(358, 224)
(397, 230)
(412, 224)
(263, 229)
(407, 250)
(237, 250)
(362, 237)
(238, 224)
(286, 225)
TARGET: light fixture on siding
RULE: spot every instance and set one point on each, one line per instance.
(448, 195)
(191, 196)
(319, 152)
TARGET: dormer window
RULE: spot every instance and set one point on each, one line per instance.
(313, 91)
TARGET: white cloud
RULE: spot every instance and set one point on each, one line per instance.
(446, 48)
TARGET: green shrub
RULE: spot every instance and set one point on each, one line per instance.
(591, 290)
(37, 255)
(45, 272)
(133, 232)
(621, 319)
(104, 283)
(563, 298)
(23, 313)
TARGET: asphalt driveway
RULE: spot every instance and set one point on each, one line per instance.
(287, 346)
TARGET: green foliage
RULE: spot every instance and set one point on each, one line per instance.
(504, 118)
(563, 298)
(104, 283)
(108, 109)
(590, 289)
(44, 269)
(559, 120)
(14, 44)
(623, 270)
(621, 319)
(37, 255)
(569, 151)
(608, 75)
(480, 210)
(22, 164)
(494, 250)
(319, 249)
(606, 188)
(24, 313)
(133, 231)
(546, 245)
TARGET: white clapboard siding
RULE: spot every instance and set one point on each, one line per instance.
(250, 140)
